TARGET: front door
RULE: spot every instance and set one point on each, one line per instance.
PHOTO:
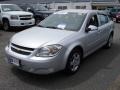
(91, 39)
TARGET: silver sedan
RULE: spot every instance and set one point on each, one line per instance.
(60, 41)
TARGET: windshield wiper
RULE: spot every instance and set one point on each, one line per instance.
(12, 10)
(50, 27)
(54, 27)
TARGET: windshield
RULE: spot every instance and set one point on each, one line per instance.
(68, 21)
(113, 10)
(6, 8)
(38, 7)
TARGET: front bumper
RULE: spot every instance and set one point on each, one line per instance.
(37, 65)
(22, 23)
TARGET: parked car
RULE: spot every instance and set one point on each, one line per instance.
(113, 12)
(60, 41)
(12, 16)
(40, 12)
(118, 17)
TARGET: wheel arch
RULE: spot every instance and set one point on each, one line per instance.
(70, 49)
(112, 33)
(4, 18)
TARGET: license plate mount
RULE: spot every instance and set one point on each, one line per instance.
(14, 61)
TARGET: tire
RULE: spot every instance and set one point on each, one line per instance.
(117, 21)
(6, 25)
(37, 21)
(109, 42)
(73, 62)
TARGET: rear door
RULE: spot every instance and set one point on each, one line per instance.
(104, 28)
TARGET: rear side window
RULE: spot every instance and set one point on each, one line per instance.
(103, 19)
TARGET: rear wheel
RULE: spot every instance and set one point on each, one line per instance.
(37, 21)
(6, 25)
(73, 63)
(109, 42)
(117, 21)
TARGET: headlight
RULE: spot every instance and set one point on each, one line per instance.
(14, 17)
(32, 16)
(9, 44)
(48, 51)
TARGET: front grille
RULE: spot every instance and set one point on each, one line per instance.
(21, 50)
(25, 17)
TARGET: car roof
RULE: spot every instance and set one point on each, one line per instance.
(80, 11)
(7, 4)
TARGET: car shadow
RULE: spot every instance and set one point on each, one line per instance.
(15, 29)
(91, 65)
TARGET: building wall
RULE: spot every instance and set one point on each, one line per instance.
(84, 5)
(78, 5)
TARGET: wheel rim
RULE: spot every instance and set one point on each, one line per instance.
(75, 62)
(6, 26)
(110, 41)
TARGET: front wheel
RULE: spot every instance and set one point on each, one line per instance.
(6, 25)
(73, 63)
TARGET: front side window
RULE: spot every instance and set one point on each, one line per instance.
(93, 21)
(68, 21)
(6, 8)
(103, 19)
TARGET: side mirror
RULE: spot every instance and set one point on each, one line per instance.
(29, 9)
(91, 28)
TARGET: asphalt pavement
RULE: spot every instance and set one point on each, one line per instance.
(99, 71)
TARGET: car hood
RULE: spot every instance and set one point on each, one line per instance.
(36, 37)
(46, 12)
(18, 13)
